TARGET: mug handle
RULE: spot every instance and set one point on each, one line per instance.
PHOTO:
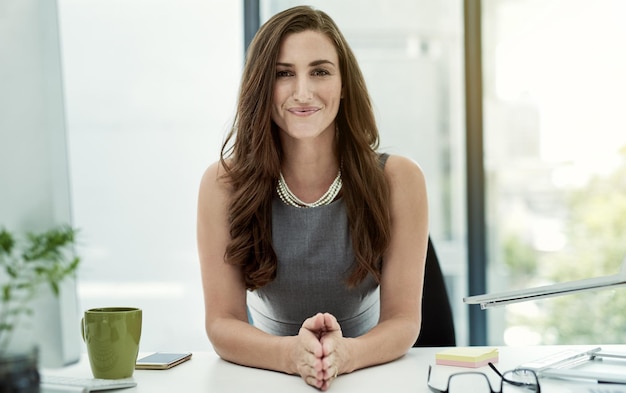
(82, 327)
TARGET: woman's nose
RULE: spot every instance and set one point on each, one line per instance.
(302, 89)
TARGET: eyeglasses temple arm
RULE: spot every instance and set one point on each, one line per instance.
(495, 370)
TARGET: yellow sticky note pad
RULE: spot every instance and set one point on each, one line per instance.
(467, 356)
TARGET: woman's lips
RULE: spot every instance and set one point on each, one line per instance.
(303, 110)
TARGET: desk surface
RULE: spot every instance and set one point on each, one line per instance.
(206, 372)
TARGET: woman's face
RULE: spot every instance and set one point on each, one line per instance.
(307, 91)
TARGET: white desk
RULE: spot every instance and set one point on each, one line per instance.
(206, 372)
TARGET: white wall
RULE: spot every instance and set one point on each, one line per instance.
(34, 181)
(150, 90)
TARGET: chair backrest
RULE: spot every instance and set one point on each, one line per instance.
(437, 322)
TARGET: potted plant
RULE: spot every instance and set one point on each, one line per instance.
(26, 264)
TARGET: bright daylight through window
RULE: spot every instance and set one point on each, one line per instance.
(555, 162)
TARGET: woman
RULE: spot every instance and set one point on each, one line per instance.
(302, 222)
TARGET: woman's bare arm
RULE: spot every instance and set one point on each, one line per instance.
(227, 327)
(402, 276)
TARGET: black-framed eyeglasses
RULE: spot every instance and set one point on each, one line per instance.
(513, 381)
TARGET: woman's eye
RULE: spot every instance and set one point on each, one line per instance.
(320, 72)
(283, 74)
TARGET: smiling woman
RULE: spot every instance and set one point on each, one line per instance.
(308, 87)
(303, 222)
(410, 54)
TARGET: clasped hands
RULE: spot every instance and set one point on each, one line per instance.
(319, 353)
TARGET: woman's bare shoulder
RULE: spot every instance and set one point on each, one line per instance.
(400, 169)
(215, 181)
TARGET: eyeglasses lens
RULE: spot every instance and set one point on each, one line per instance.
(517, 381)
(462, 383)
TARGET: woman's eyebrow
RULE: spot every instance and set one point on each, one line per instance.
(320, 62)
(311, 64)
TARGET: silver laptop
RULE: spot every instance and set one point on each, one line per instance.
(559, 289)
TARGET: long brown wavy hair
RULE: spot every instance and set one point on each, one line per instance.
(251, 155)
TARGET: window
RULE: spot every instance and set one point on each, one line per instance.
(555, 164)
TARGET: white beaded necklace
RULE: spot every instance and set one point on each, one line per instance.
(289, 198)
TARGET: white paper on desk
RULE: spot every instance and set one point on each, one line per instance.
(60, 389)
(564, 288)
(597, 388)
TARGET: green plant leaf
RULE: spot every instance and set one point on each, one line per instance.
(6, 293)
(46, 257)
(6, 242)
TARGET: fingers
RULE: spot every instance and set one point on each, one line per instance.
(326, 385)
(330, 323)
(324, 381)
(328, 347)
(315, 324)
(310, 342)
(310, 368)
(321, 384)
(309, 355)
(320, 336)
(330, 375)
(321, 323)
(330, 340)
(309, 352)
(308, 372)
(330, 367)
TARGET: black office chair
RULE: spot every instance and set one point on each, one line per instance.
(437, 322)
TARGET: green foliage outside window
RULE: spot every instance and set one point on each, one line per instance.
(596, 232)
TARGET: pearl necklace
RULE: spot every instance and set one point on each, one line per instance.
(289, 198)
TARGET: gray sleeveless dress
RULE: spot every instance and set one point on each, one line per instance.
(314, 258)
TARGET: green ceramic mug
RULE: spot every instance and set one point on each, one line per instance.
(112, 336)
